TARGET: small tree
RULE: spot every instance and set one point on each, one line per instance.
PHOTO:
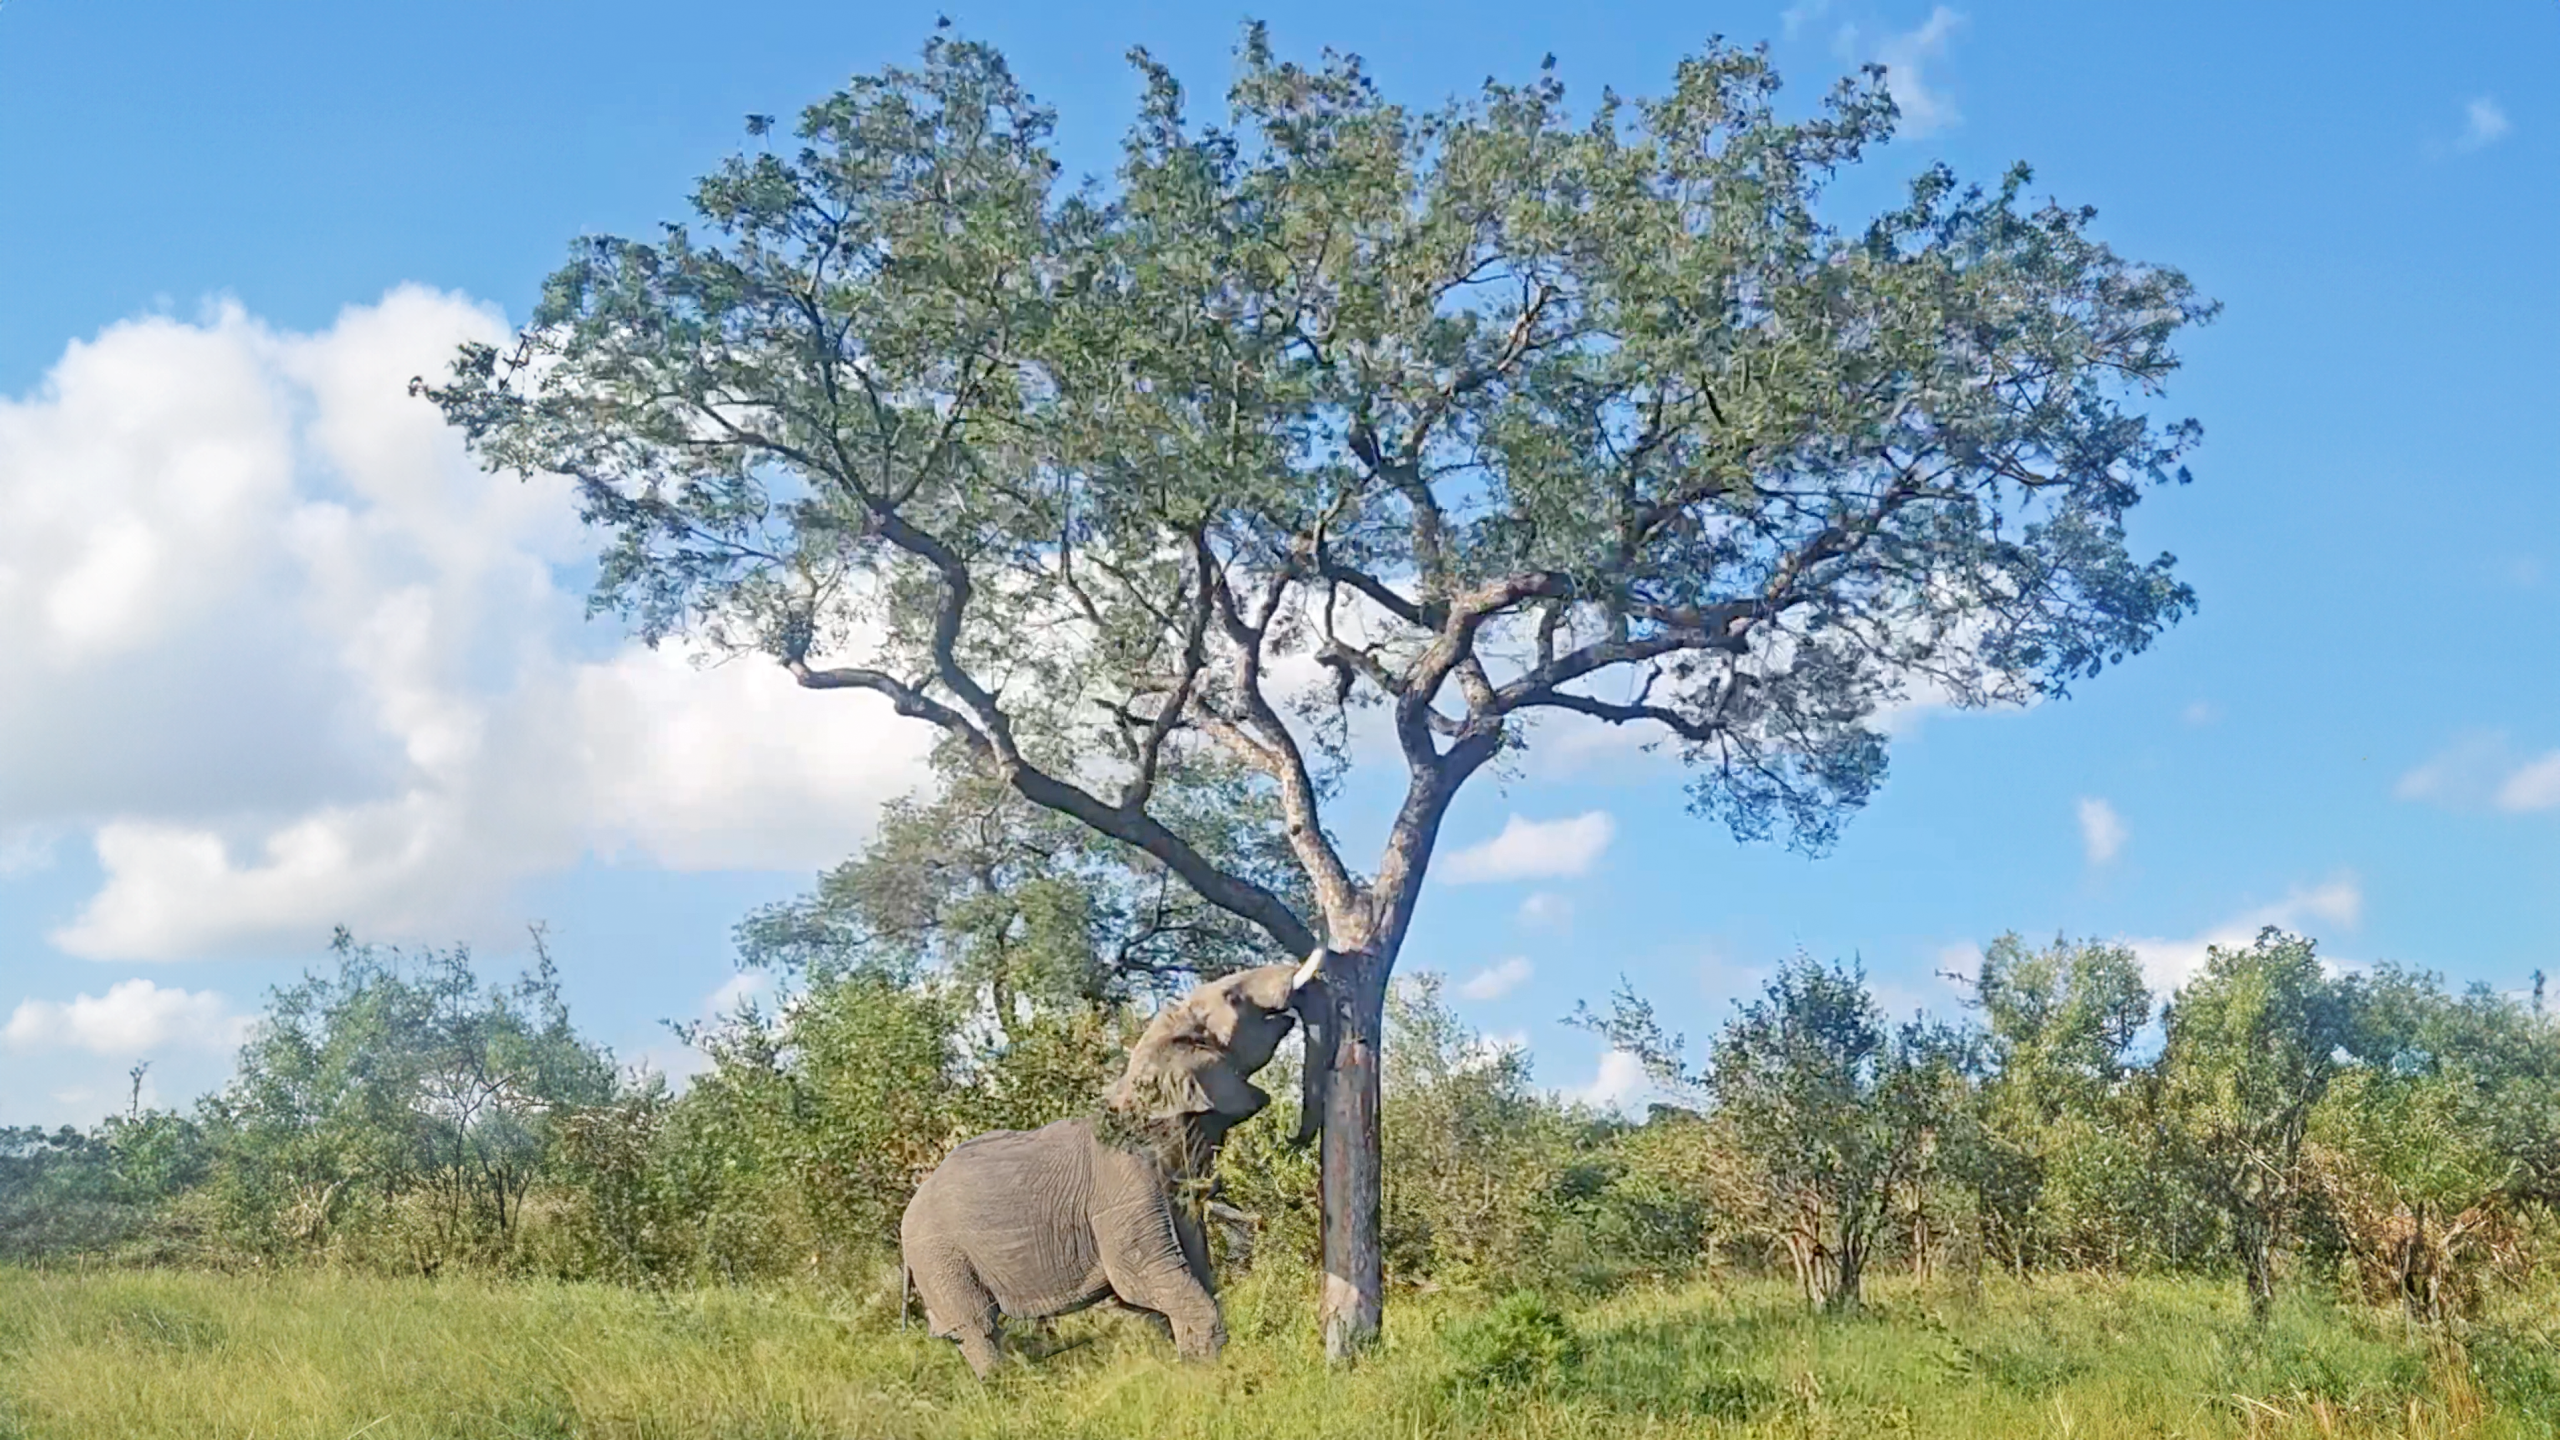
(2253, 1043)
(1820, 1114)
(400, 1079)
(2059, 1024)
(2424, 1148)
(1471, 415)
(1840, 1111)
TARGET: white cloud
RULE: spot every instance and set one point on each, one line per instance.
(1533, 850)
(1906, 58)
(2534, 786)
(1801, 14)
(2200, 712)
(1495, 981)
(1546, 908)
(736, 991)
(2102, 830)
(2484, 123)
(2483, 769)
(666, 1054)
(133, 1018)
(1491, 1049)
(289, 658)
(2463, 773)
(2167, 964)
(1621, 1085)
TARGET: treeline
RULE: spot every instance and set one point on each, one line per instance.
(2273, 1122)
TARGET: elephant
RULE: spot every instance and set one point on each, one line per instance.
(1189, 1076)
(1035, 1223)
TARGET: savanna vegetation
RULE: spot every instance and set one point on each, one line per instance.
(1148, 500)
(2285, 1201)
(1445, 423)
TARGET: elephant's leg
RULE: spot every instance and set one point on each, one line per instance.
(958, 1306)
(1144, 1258)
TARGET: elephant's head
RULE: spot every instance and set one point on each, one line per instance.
(1195, 1062)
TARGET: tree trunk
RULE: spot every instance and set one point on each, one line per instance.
(2254, 1236)
(1801, 1249)
(1845, 1290)
(1353, 1302)
(2417, 1277)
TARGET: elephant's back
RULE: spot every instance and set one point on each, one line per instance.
(1019, 1205)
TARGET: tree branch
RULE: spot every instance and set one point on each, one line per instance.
(1278, 754)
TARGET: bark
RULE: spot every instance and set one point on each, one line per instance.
(1805, 1256)
(1848, 1274)
(1352, 1305)
(2254, 1236)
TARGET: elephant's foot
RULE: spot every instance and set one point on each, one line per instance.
(1198, 1344)
(983, 1351)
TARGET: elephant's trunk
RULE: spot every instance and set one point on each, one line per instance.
(1313, 1002)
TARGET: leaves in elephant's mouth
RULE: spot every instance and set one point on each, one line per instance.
(1173, 1142)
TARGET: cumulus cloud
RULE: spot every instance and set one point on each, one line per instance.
(1497, 980)
(1906, 58)
(2484, 123)
(2102, 830)
(1621, 1085)
(289, 658)
(2168, 964)
(1534, 850)
(667, 1055)
(134, 1017)
(2464, 772)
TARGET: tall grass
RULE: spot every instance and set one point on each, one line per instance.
(331, 1356)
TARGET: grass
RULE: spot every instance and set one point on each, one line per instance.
(332, 1356)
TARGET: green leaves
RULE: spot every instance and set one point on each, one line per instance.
(402, 1093)
(1837, 1111)
(1469, 412)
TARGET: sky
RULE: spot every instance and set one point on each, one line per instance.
(275, 657)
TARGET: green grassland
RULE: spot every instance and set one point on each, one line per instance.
(313, 1354)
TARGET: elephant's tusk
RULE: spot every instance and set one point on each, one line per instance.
(1310, 970)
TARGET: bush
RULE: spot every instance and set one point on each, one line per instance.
(1523, 1342)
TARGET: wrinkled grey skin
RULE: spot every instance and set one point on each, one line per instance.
(1194, 1064)
(1034, 1223)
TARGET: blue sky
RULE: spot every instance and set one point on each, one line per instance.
(276, 658)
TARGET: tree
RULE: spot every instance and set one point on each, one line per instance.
(2253, 1043)
(1456, 417)
(1838, 1110)
(401, 1080)
(2425, 1147)
(2059, 1024)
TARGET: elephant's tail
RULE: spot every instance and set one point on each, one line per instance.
(906, 1289)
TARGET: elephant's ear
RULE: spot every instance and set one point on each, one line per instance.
(1193, 1083)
